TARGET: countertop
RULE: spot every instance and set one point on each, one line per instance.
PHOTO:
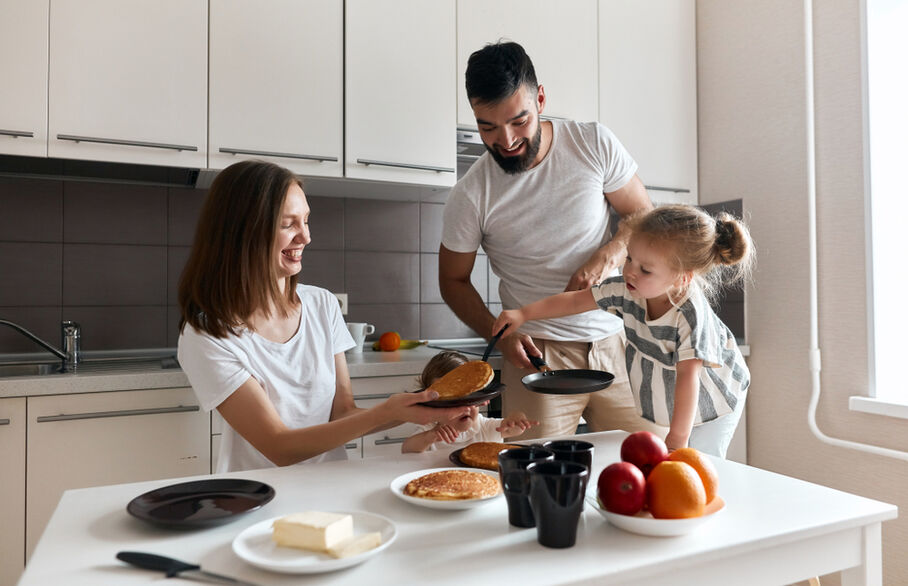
(774, 530)
(149, 374)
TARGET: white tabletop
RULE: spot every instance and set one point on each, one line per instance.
(774, 530)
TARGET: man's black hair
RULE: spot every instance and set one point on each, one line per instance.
(498, 70)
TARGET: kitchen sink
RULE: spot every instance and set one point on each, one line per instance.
(90, 366)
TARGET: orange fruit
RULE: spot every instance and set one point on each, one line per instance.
(389, 341)
(674, 491)
(704, 467)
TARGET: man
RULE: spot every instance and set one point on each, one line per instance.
(538, 202)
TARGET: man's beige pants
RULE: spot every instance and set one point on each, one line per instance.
(558, 415)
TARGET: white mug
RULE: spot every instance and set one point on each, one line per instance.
(359, 331)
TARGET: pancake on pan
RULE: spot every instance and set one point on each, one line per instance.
(463, 380)
(483, 454)
(452, 485)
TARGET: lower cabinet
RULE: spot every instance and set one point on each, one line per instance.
(94, 439)
(369, 392)
(12, 489)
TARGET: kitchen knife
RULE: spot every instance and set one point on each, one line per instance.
(175, 568)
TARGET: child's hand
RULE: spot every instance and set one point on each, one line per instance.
(445, 433)
(512, 318)
(515, 424)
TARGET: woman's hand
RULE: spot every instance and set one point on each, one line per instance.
(406, 407)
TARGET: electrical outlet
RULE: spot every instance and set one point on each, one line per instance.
(342, 299)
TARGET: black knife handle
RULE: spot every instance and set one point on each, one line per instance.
(150, 561)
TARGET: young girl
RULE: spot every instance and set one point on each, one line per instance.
(686, 370)
(472, 427)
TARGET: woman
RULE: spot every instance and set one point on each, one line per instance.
(267, 352)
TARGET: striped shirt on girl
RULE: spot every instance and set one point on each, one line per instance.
(689, 330)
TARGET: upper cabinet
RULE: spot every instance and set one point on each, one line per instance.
(560, 37)
(23, 77)
(648, 90)
(399, 91)
(128, 81)
(276, 84)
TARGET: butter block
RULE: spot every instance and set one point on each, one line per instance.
(313, 530)
(357, 545)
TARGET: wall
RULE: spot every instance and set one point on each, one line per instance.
(752, 129)
(109, 257)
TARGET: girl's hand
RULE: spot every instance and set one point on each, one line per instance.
(512, 318)
(675, 441)
(445, 433)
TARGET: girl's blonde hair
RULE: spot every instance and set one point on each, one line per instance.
(438, 366)
(717, 251)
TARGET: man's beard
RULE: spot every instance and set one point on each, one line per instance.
(519, 164)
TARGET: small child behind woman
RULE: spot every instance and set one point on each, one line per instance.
(473, 427)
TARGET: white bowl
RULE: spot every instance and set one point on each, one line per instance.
(643, 522)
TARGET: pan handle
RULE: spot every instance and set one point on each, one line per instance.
(539, 363)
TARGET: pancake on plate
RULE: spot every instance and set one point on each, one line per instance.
(483, 454)
(452, 485)
(467, 378)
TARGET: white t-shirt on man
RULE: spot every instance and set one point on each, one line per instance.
(539, 226)
(298, 375)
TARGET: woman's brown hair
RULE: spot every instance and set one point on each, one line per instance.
(230, 273)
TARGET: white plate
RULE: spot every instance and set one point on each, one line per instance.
(643, 522)
(398, 484)
(255, 546)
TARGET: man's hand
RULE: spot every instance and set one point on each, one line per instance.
(598, 266)
(515, 347)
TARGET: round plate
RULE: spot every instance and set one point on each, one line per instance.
(200, 503)
(255, 546)
(477, 398)
(643, 522)
(568, 382)
(398, 484)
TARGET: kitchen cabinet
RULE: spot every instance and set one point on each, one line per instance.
(400, 91)
(94, 439)
(648, 90)
(560, 38)
(128, 81)
(23, 71)
(276, 84)
(12, 489)
(369, 392)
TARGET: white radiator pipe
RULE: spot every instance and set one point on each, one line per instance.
(813, 357)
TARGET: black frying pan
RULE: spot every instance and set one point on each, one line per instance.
(573, 381)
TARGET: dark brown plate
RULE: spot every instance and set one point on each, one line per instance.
(200, 503)
(477, 398)
(455, 458)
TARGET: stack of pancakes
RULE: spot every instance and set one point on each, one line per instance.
(465, 379)
(483, 454)
(451, 485)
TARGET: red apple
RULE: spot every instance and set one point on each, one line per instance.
(622, 488)
(643, 449)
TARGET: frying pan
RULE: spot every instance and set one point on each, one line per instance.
(574, 381)
(491, 390)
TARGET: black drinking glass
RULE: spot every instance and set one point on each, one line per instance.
(557, 490)
(515, 483)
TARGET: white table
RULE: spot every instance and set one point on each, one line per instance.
(774, 530)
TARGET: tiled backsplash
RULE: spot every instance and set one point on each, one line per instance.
(109, 256)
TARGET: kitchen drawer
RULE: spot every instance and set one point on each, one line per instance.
(387, 442)
(381, 387)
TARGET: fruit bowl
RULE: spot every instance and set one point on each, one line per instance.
(643, 522)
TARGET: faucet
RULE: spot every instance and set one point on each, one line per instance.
(71, 334)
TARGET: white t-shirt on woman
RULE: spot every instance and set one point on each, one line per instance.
(298, 376)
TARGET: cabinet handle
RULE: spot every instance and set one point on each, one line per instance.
(138, 143)
(4, 421)
(318, 158)
(17, 133)
(375, 396)
(389, 440)
(123, 413)
(351, 446)
(673, 189)
(368, 162)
